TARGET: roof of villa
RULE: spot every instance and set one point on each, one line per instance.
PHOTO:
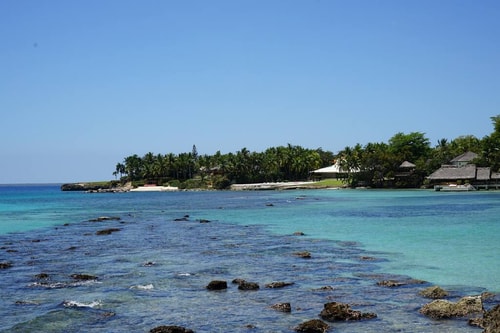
(407, 164)
(465, 157)
(448, 172)
(483, 173)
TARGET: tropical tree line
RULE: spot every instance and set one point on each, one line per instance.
(372, 164)
(283, 163)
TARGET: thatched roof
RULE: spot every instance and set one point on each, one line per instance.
(483, 174)
(448, 172)
(495, 175)
(465, 157)
(407, 165)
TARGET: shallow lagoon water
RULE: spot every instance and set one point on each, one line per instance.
(154, 270)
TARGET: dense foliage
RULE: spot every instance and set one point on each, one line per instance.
(374, 164)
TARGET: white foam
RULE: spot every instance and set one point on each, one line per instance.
(75, 304)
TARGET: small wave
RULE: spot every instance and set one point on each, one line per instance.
(75, 304)
(54, 285)
(143, 287)
(59, 285)
(183, 274)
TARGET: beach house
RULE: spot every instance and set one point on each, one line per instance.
(461, 173)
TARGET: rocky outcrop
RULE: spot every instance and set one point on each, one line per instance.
(434, 292)
(245, 285)
(312, 326)
(170, 329)
(84, 277)
(279, 284)
(303, 254)
(5, 265)
(283, 307)
(336, 311)
(217, 285)
(107, 231)
(97, 187)
(397, 283)
(441, 309)
(491, 320)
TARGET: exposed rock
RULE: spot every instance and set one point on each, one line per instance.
(5, 265)
(204, 221)
(303, 254)
(390, 283)
(299, 233)
(312, 326)
(440, 309)
(170, 329)
(491, 320)
(217, 285)
(283, 307)
(42, 276)
(336, 311)
(396, 283)
(325, 288)
(245, 285)
(107, 231)
(279, 284)
(85, 277)
(434, 292)
(105, 218)
(182, 219)
(238, 281)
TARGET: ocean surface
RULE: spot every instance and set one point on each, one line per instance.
(162, 249)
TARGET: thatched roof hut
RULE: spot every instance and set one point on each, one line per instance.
(453, 173)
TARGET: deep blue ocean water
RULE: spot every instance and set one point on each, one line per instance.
(153, 270)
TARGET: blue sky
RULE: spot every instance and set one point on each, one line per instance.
(84, 84)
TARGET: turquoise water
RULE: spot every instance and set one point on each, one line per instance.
(153, 270)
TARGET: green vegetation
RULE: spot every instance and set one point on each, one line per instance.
(374, 164)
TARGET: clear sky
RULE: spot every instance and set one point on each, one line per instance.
(84, 84)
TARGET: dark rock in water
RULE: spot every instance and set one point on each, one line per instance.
(336, 311)
(298, 233)
(303, 254)
(42, 276)
(105, 218)
(217, 285)
(238, 281)
(434, 292)
(396, 283)
(182, 219)
(312, 326)
(367, 258)
(170, 329)
(83, 277)
(440, 309)
(245, 285)
(107, 231)
(325, 288)
(5, 265)
(279, 284)
(204, 221)
(283, 307)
